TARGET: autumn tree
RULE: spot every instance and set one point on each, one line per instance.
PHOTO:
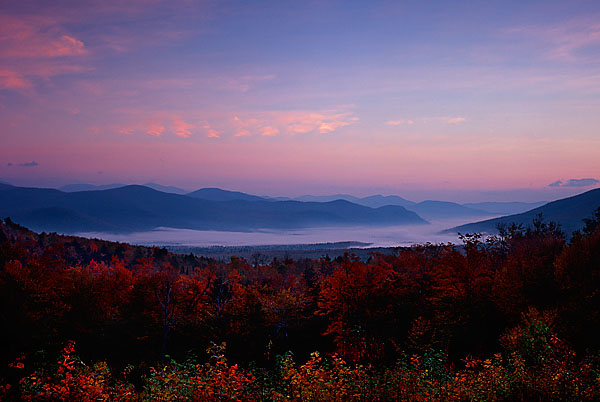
(358, 300)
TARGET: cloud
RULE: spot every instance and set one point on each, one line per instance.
(155, 129)
(24, 164)
(182, 129)
(13, 80)
(210, 131)
(33, 46)
(155, 123)
(587, 182)
(292, 122)
(269, 131)
(123, 26)
(453, 120)
(242, 133)
(330, 126)
(301, 122)
(399, 122)
(185, 123)
(557, 183)
(36, 37)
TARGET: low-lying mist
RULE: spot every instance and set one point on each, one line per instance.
(386, 236)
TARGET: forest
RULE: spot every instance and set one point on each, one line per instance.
(511, 317)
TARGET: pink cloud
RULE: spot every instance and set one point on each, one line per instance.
(113, 24)
(128, 130)
(264, 124)
(247, 127)
(13, 80)
(36, 37)
(453, 120)
(182, 129)
(35, 47)
(159, 122)
(333, 125)
(155, 129)
(269, 131)
(293, 122)
(212, 133)
(399, 122)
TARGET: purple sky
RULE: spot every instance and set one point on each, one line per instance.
(462, 100)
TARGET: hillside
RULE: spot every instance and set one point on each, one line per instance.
(75, 250)
(568, 212)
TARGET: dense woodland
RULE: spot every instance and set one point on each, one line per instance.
(512, 317)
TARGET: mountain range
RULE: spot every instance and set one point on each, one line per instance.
(139, 208)
(429, 209)
(116, 208)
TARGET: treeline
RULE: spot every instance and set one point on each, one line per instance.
(514, 317)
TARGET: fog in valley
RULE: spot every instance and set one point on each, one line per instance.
(383, 236)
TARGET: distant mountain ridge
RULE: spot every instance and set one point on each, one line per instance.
(426, 209)
(71, 188)
(140, 208)
(382, 200)
(373, 201)
(431, 209)
(568, 212)
(217, 194)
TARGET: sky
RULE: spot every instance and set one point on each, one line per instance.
(461, 100)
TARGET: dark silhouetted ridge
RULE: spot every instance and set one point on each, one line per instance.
(568, 212)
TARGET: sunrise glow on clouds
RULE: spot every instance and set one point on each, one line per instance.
(286, 99)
